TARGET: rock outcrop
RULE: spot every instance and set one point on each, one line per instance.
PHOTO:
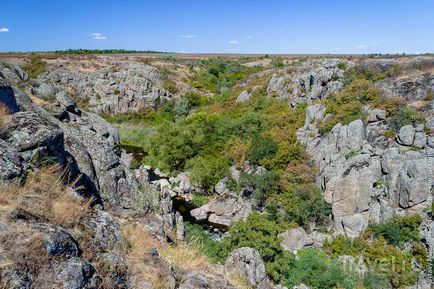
(108, 90)
(313, 81)
(224, 209)
(366, 176)
(247, 263)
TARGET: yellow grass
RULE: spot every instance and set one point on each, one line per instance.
(4, 115)
(45, 196)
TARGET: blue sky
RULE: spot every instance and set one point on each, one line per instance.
(221, 26)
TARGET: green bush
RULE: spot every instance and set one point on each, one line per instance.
(261, 185)
(346, 105)
(260, 233)
(317, 270)
(218, 75)
(406, 116)
(35, 67)
(207, 170)
(172, 146)
(261, 148)
(197, 237)
(399, 230)
(304, 206)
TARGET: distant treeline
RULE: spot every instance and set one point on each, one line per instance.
(103, 51)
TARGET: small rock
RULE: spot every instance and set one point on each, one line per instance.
(243, 97)
(376, 115)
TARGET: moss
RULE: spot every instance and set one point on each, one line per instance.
(390, 134)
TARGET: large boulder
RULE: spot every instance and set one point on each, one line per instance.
(224, 209)
(195, 280)
(246, 262)
(294, 239)
(12, 168)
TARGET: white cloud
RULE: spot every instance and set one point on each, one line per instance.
(337, 49)
(361, 46)
(234, 42)
(4, 30)
(98, 36)
(187, 36)
(249, 37)
(374, 43)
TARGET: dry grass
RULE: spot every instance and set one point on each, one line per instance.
(4, 115)
(140, 264)
(45, 197)
(182, 256)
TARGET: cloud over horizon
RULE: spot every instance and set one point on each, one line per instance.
(187, 36)
(234, 42)
(98, 36)
(4, 29)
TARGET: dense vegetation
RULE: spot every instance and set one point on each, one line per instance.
(206, 136)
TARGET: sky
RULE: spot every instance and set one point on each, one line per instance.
(220, 26)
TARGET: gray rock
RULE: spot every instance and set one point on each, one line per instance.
(420, 140)
(301, 286)
(66, 102)
(224, 209)
(131, 88)
(243, 97)
(406, 135)
(182, 184)
(376, 115)
(314, 80)
(294, 239)
(106, 234)
(77, 274)
(247, 262)
(354, 225)
(58, 242)
(411, 88)
(196, 280)
(12, 169)
(221, 186)
(7, 96)
(46, 91)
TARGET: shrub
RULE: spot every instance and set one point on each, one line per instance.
(390, 134)
(172, 146)
(316, 270)
(198, 238)
(170, 86)
(236, 151)
(346, 105)
(207, 170)
(399, 230)
(303, 206)
(277, 63)
(406, 116)
(261, 148)
(35, 67)
(261, 185)
(260, 233)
